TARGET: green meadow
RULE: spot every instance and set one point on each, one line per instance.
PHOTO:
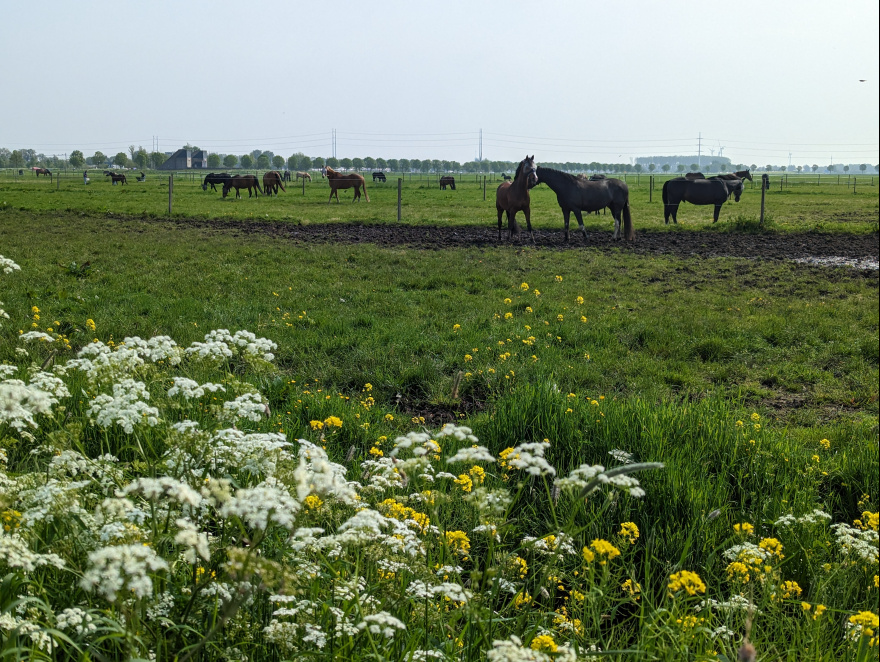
(219, 523)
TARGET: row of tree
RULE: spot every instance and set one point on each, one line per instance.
(138, 157)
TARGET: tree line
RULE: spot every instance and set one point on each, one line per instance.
(138, 157)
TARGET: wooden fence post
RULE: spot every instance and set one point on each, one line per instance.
(399, 187)
(170, 191)
(763, 192)
(651, 189)
(58, 183)
(304, 185)
(484, 188)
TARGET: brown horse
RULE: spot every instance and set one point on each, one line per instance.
(511, 197)
(43, 171)
(303, 175)
(114, 178)
(272, 181)
(239, 182)
(447, 181)
(338, 180)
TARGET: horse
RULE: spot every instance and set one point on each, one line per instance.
(141, 178)
(380, 176)
(693, 176)
(338, 180)
(580, 194)
(449, 181)
(272, 180)
(506, 178)
(697, 192)
(511, 197)
(212, 179)
(739, 174)
(239, 182)
(115, 178)
(302, 175)
(286, 176)
(43, 171)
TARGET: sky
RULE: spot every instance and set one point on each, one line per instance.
(761, 82)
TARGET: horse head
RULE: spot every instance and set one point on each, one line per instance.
(323, 172)
(530, 170)
(737, 192)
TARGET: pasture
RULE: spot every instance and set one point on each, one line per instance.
(753, 382)
(803, 205)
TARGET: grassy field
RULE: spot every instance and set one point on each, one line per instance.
(755, 384)
(803, 206)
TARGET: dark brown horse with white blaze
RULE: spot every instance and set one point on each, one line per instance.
(338, 180)
(239, 182)
(511, 197)
(272, 181)
(579, 194)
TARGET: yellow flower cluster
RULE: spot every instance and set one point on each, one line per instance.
(521, 599)
(632, 589)
(520, 567)
(313, 502)
(464, 482)
(11, 519)
(602, 549)
(772, 546)
(90, 325)
(869, 521)
(788, 591)
(395, 509)
(817, 613)
(544, 642)
(744, 529)
(868, 622)
(686, 581)
(458, 542)
(629, 531)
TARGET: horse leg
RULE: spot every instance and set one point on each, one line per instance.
(528, 213)
(566, 214)
(717, 212)
(580, 220)
(500, 214)
(615, 214)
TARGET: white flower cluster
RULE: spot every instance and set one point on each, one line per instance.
(512, 650)
(621, 456)
(249, 406)
(195, 541)
(382, 623)
(157, 348)
(113, 569)
(858, 542)
(260, 506)
(221, 345)
(7, 266)
(125, 407)
(14, 553)
(530, 458)
(165, 487)
(77, 620)
(817, 516)
(585, 474)
(449, 590)
(20, 402)
(471, 454)
(189, 389)
(36, 335)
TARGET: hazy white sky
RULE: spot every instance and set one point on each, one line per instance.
(567, 81)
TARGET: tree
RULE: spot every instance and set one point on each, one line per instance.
(404, 165)
(426, 166)
(815, 167)
(651, 167)
(255, 154)
(863, 167)
(831, 168)
(782, 168)
(213, 161)
(846, 168)
(369, 162)
(694, 167)
(345, 163)
(77, 159)
(799, 168)
(357, 162)
(455, 166)
(99, 159)
(304, 163)
(277, 162)
(665, 167)
(120, 159)
(332, 162)
(157, 159)
(16, 160)
(230, 160)
(247, 161)
(318, 162)
(381, 163)
(141, 158)
(132, 151)
(263, 162)
(638, 167)
(680, 167)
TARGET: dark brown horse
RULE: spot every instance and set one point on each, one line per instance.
(272, 181)
(114, 178)
(511, 197)
(213, 179)
(447, 181)
(579, 194)
(338, 180)
(239, 182)
(43, 171)
(697, 192)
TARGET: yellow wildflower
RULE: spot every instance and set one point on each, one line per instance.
(316, 425)
(464, 482)
(458, 542)
(687, 581)
(605, 549)
(632, 589)
(824, 443)
(333, 421)
(313, 502)
(772, 546)
(521, 599)
(478, 474)
(744, 529)
(579, 301)
(90, 324)
(524, 287)
(544, 642)
(630, 531)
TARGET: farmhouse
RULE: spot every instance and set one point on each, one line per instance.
(185, 159)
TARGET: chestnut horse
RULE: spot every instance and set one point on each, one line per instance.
(272, 181)
(338, 180)
(511, 197)
(43, 171)
(239, 182)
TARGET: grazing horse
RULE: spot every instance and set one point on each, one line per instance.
(338, 180)
(697, 192)
(506, 178)
(212, 180)
(380, 176)
(286, 175)
(579, 194)
(115, 178)
(449, 181)
(511, 197)
(43, 171)
(239, 182)
(272, 181)
(302, 175)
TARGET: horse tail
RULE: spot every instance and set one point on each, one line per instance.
(665, 192)
(281, 183)
(257, 184)
(628, 223)
(365, 191)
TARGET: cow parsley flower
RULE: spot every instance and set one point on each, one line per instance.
(249, 406)
(382, 623)
(114, 569)
(125, 407)
(7, 266)
(530, 458)
(196, 542)
(472, 454)
(20, 402)
(260, 506)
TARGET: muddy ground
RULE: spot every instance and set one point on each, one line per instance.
(787, 246)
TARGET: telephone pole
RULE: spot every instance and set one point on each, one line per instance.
(481, 144)
(334, 143)
(699, 150)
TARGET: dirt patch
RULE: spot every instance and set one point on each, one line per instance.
(682, 244)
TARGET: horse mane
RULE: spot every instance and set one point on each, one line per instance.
(519, 169)
(550, 173)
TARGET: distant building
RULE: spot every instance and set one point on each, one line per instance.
(186, 159)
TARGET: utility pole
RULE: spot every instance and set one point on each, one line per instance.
(699, 150)
(481, 144)
(334, 143)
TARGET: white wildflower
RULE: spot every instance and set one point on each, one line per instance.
(36, 335)
(164, 487)
(249, 406)
(621, 456)
(382, 623)
(15, 553)
(530, 458)
(113, 569)
(125, 407)
(75, 619)
(19, 403)
(472, 454)
(261, 506)
(7, 266)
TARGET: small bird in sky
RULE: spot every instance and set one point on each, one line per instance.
(862, 80)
